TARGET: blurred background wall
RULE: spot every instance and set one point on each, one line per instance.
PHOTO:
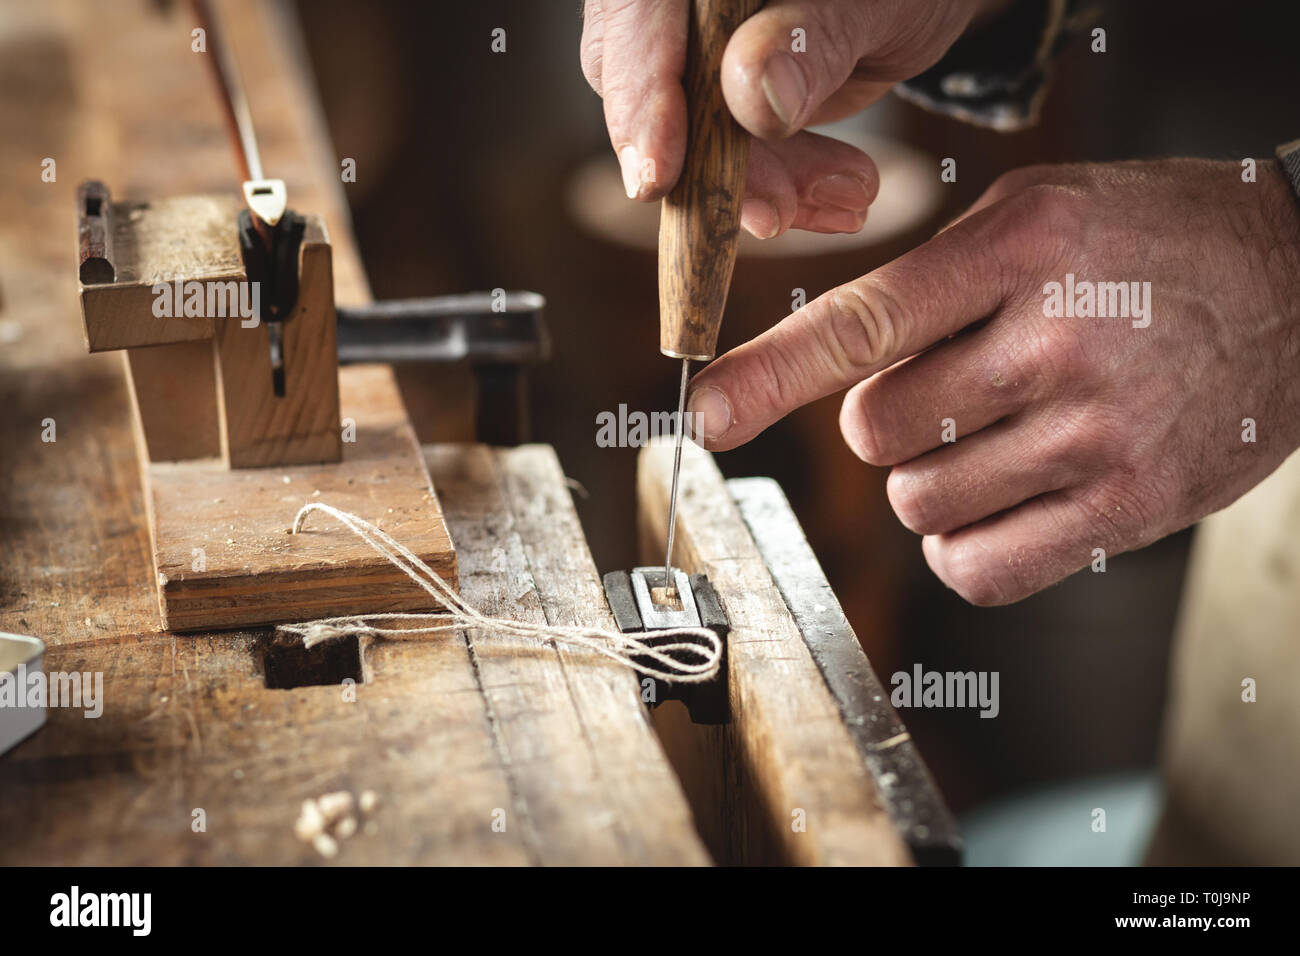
(478, 170)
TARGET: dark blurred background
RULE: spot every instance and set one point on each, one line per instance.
(478, 170)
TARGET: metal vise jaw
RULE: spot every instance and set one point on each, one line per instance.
(631, 599)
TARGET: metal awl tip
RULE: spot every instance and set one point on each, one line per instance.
(677, 467)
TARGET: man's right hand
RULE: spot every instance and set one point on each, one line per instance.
(852, 53)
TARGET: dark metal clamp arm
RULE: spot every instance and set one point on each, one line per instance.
(498, 333)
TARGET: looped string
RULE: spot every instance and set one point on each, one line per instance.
(680, 661)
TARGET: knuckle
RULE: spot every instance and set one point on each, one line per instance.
(975, 573)
(913, 501)
(860, 419)
(1073, 446)
(1128, 511)
(1007, 372)
(591, 47)
(592, 65)
(766, 386)
(1048, 218)
(1016, 180)
(859, 328)
(779, 379)
(1060, 358)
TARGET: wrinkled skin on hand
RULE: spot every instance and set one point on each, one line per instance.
(852, 53)
(1072, 433)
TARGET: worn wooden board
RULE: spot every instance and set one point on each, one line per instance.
(485, 752)
(158, 241)
(591, 782)
(223, 551)
(188, 723)
(902, 779)
(785, 781)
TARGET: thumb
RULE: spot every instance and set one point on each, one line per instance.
(798, 62)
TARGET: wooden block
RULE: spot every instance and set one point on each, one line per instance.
(222, 550)
(785, 781)
(174, 400)
(194, 239)
(259, 427)
(160, 241)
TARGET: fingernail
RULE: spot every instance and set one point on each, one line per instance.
(629, 161)
(760, 218)
(831, 219)
(841, 191)
(785, 87)
(710, 413)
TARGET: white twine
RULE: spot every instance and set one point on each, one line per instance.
(682, 662)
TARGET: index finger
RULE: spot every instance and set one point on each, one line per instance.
(633, 54)
(962, 275)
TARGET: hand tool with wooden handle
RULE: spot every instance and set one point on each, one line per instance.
(699, 222)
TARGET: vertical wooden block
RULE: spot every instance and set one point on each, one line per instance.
(174, 400)
(300, 427)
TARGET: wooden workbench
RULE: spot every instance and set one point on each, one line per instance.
(456, 735)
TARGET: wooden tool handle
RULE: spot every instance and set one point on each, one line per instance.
(700, 219)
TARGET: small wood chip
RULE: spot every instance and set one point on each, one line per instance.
(326, 845)
(335, 805)
(311, 823)
(329, 819)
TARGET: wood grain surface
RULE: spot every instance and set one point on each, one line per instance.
(784, 782)
(157, 241)
(253, 571)
(260, 427)
(169, 389)
(443, 733)
(481, 750)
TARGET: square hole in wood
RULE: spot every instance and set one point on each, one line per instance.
(287, 664)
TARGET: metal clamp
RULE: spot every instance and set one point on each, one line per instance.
(498, 333)
(635, 612)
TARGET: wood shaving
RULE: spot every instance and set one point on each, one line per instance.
(327, 820)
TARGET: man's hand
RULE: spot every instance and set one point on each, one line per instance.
(796, 63)
(1072, 433)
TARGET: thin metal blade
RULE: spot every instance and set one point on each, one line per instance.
(677, 467)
